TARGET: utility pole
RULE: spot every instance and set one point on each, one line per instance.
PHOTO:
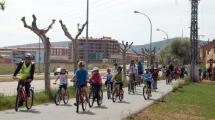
(194, 39)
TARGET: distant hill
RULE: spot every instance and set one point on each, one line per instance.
(158, 45)
(54, 44)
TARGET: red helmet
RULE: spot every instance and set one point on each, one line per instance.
(108, 70)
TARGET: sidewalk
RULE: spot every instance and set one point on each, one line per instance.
(109, 110)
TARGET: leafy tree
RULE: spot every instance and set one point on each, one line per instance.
(2, 5)
(177, 51)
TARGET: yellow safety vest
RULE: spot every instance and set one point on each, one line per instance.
(25, 71)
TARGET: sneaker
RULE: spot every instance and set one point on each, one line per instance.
(75, 104)
(20, 104)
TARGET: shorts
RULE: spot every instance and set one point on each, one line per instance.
(120, 84)
(64, 86)
(149, 84)
(82, 86)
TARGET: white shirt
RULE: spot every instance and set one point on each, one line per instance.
(133, 69)
(63, 79)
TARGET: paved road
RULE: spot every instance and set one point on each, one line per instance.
(9, 88)
(109, 110)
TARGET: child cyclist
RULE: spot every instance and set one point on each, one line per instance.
(63, 76)
(96, 80)
(148, 78)
(109, 77)
(118, 77)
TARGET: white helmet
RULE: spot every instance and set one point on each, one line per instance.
(81, 63)
(95, 69)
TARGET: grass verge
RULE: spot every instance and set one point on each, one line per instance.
(195, 101)
(8, 102)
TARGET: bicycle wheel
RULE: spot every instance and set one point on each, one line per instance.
(57, 97)
(133, 87)
(145, 92)
(148, 93)
(108, 91)
(77, 100)
(100, 100)
(66, 97)
(121, 95)
(129, 88)
(84, 101)
(17, 101)
(114, 96)
(91, 98)
(30, 99)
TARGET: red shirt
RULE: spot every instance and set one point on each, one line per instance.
(96, 78)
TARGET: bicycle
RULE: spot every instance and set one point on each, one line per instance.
(23, 97)
(109, 90)
(146, 91)
(93, 96)
(132, 87)
(81, 98)
(61, 94)
(117, 92)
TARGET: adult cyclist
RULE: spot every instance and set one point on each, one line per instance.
(140, 71)
(81, 77)
(132, 72)
(26, 70)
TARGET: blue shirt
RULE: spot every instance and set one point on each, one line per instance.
(109, 77)
(140, 68)
(81, 77)
(148, 77)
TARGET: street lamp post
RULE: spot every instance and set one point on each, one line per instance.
(167, 36)
(150, 44)
(87, 39)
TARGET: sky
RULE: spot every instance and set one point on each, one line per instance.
(112, 18)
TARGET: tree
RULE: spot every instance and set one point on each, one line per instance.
(145, 54)
(73, 40)
(2, 5)
(124, 49)
(176, 51)
(42, 35)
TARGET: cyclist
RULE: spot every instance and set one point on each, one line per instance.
(132, 72)
(109, 77)
(148, 79)
(26, 70)
(114, 70)
(63, 76)
(81, 77)
(140, 70)
(96, 80)
(154, 71)
(118, 77)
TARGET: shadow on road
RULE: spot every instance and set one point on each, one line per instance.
(124, 102)
(67, 105)
(30, 111)
(101, 107)
(87, 113)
